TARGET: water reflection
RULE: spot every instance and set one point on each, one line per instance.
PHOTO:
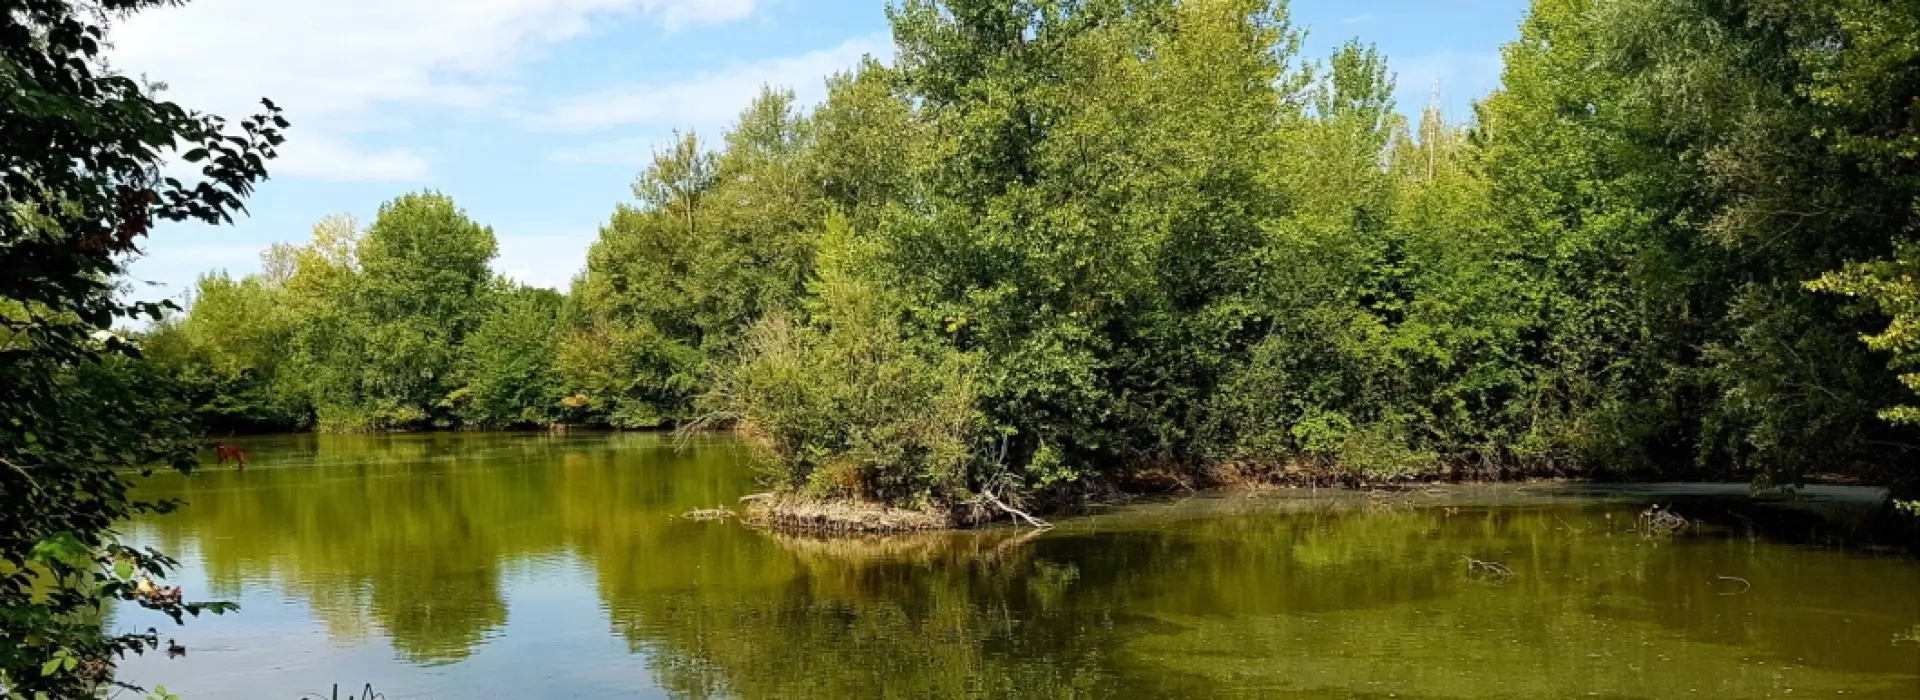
(465, 565)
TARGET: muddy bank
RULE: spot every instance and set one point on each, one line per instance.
(1821, 515)
(792, 513)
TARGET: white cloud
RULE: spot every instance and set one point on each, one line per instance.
(711, 101)
(621, 151)
(335, 65)
(548, 261)
(320, 158)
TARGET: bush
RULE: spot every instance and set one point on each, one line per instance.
(855, 408)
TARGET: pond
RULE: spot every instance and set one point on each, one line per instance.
(535, 566)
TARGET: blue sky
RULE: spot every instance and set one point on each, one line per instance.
(535, 115)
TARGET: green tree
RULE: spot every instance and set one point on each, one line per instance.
(509, 361)
(381, 315)
(423, 287)
(854, 404)
(229, 353)
(80, 176)
(1057, 244)
(1092, 218)
(1678, 162)
(318, 282)
(865, 138)
(717, 241)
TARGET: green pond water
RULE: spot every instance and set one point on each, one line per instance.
(536, 566)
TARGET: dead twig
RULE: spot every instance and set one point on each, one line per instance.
(1658, 521)
(1015, 512)
(1488, 570)
(35, 485)
(708, 514)
(1743, 582)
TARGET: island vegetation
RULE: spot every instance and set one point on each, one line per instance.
(1053, 248)
(1057, 245)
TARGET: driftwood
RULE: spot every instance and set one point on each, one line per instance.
(1488, 570)
(1659, 521)
(1015, 512)
(794, 513)
(1744, 582)
(708, 514)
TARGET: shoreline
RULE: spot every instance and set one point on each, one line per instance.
(788, 513)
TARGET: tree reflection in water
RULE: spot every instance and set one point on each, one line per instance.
(424, 540)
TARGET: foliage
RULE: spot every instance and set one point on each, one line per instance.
(230, 356)
(80, 176)
(1703, 172)
(508, 362)
(361, 330)
(1056, 243)
(420, 288)
(852, 404)
(716, 242)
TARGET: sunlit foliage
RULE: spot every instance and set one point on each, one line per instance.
(81, 186)
(1056, 243)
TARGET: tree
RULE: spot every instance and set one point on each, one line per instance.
(80, 175)
(717, 241)
(864, 140)
(1092, 219)
(1678, 165)
(423, 288)
(381, 315)
(1058, 244)
(509, 361)
(229, 353)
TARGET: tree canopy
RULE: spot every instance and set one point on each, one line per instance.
(1056, 246)
(82, 183)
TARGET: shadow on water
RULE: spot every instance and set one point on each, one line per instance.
(524, 566)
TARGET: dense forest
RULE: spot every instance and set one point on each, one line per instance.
(1056, 243)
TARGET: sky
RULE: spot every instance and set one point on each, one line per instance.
(536, 115)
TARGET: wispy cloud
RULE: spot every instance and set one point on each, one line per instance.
(636, 150)
(339, 68)
(714, 99)
(321, 158)
(544, 260)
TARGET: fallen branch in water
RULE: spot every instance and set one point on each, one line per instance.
(1488, 570)
(1658, 521)
(1015, 512)
(1910, 636)
(1013, 543)
(708, 514)
(1748, 584)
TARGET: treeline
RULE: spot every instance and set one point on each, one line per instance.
(1060, 242)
